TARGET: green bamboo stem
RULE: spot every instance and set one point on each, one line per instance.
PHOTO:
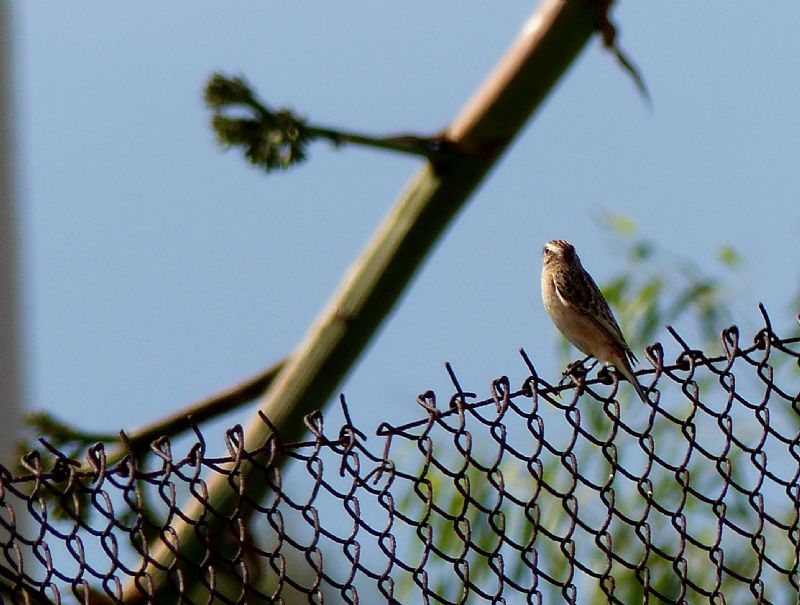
(549, 42)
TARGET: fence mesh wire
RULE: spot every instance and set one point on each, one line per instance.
(539, 493)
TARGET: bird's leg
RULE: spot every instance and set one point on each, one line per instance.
(577, 367)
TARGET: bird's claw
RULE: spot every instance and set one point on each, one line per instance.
(576, 369)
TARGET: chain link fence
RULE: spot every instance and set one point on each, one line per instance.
(540, 493)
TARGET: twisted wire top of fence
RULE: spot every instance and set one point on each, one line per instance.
(537, 494)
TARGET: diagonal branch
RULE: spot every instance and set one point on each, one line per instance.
(140, 438)
(549, 42)
(207, 408)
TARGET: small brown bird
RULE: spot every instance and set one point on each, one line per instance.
(581, 312)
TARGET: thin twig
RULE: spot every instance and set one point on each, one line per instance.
(206, 408)
(139, 439)
(430, 147)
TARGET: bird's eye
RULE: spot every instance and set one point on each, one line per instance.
(546, 251)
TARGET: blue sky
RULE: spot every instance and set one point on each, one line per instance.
(158, 268)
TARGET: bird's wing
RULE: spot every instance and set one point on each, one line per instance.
(587, 299)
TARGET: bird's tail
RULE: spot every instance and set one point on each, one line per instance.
(627, 371)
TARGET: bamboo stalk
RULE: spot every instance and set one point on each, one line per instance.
(548, 43)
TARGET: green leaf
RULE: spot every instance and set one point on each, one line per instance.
(648, 293)
(641, 252)
(622, 225)
(650, 325)
(270, 139)
(615, 291)
(729, 257)
(691, 295)
(222, 90)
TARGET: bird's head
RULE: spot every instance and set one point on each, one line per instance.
(559, 252)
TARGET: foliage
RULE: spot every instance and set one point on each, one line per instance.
(276, 139)
(271, 139)
(657, 288)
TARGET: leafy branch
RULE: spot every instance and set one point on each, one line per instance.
(275, 139)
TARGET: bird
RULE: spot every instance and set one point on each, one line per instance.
(580, 311)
